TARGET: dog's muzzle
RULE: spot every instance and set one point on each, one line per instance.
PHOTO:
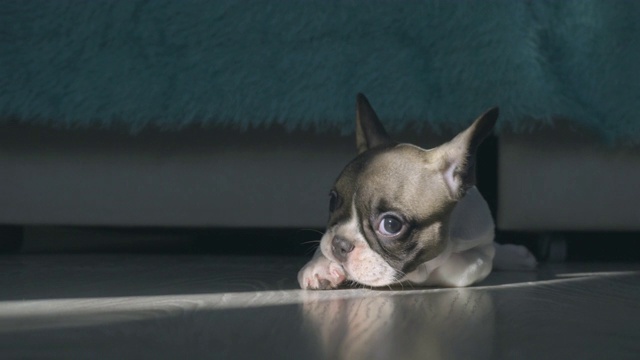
(341, 248)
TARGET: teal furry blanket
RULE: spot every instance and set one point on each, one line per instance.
(169, 63)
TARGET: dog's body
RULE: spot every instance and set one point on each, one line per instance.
(400, 213)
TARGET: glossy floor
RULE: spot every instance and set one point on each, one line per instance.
(133, 307)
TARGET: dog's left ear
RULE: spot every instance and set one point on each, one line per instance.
(369, 129)
(457, 158)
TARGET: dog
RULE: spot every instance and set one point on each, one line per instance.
(403, 214)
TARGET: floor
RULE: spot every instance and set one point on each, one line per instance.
(227, 307)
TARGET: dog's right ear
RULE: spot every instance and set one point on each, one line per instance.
(369, 131)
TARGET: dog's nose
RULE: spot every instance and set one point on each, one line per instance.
(341, 248)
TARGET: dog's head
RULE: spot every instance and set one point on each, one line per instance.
(390, 206)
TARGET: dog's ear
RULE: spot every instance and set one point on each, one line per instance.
(369, 130)
(457, 158)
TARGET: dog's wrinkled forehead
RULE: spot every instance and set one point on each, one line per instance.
(398, 177)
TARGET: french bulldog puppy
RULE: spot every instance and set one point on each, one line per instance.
(403, 214)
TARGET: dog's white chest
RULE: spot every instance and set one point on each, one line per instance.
(469, 251)
(471, 222)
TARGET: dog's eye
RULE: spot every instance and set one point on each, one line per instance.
(334, 200)
(390, 225)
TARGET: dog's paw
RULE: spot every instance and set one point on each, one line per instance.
(321, 274)
(514, 257)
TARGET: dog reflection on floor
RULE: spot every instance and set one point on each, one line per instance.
(448, 324)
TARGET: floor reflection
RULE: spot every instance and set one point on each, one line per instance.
(447, 324)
